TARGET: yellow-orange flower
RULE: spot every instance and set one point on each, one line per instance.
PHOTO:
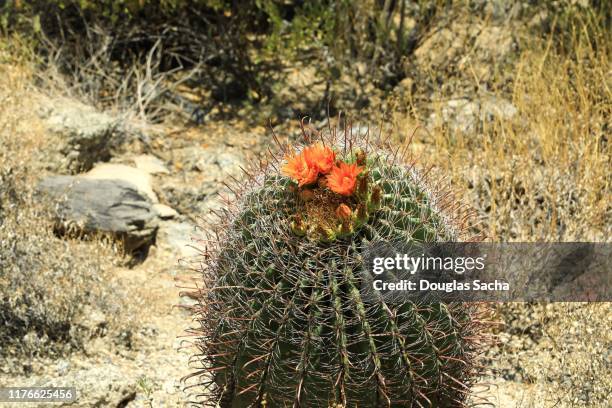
(300, 170)
(320, 156)
(343, 178)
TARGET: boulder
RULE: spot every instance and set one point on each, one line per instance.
(86, 135)
(109, 206)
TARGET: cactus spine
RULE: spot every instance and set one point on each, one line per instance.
(282, 321)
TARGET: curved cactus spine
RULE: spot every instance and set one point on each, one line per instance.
(282, 320)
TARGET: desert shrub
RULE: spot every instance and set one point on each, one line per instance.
(133, 53)
(55, 293)
(136, 53)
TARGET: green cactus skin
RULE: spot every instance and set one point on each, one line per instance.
(282, 322)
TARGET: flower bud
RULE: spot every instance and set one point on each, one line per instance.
(346, 228)
(325, 234)
(343, 212)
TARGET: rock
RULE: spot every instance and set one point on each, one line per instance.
(464, 115)
(62, 367)
(461, 115)
(493, 43)
(103, 385)
(113, 206)
(494, 107)
(139, 178)
(445, 46)
(87, 136)
(150, 164)
(164, 212)
(177, 237)
(188, 198)
(465, 49)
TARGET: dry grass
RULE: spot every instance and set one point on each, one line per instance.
(544, 175)
(54, 293)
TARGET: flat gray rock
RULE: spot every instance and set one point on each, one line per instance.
(111, 206)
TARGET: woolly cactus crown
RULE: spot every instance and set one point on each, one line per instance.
(281, 319)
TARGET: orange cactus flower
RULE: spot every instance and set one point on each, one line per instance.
(306, 166)
(343, 178)
(300, 170)
(320, 156)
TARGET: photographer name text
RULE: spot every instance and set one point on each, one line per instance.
(406, 264)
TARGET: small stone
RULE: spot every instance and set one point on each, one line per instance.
(62, 367)
(150, 164)
(165, 212)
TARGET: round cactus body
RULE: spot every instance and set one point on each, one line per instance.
(283, 320)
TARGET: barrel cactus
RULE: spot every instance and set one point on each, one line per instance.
(281, 318)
